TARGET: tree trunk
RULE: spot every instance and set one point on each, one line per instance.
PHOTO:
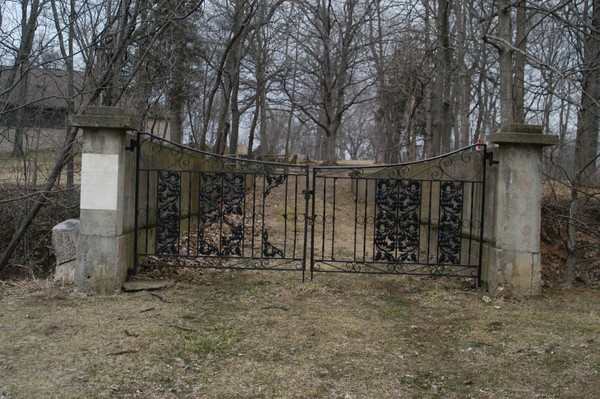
(330, 150)
(520, 60)
(67, 53)
(506, 61)
(20, 74)
(446, 66)
(176, 98)
(463, 125)
(584, 163)
(235, 116)
(262, 129)
(251, 134)
(589, 110)
(224, 123)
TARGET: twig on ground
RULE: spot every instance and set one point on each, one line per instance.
(281, 307)
(183, 328)
(123, 352)
(159, 296)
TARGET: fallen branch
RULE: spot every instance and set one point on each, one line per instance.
(281, 307)
(159, 296)
(123, 352)
(184, 328)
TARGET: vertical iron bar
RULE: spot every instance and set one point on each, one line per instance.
(333, 220)
(179, 213)
(306, 217)
(365, 215)
(482, 227)
(156, 246)
(243, 243)
(374, 227)
(462, 218)
(439, 219)
(324, 217)
(356, 180)
(312, 220)
(262, 228)
(221, 215)
(135, 209)
(147, 236)
(430, 219)
(189, 215)
(285, 214)
(471, 216)
(397, 222)
(419, 257)
(295, 216)
(200, 214)
(253, 211)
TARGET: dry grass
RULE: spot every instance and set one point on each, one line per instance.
(220, 334)
(216, 334)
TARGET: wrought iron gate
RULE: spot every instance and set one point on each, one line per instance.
(421, 218)
(196, 209)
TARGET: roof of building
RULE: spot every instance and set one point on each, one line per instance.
(47, 87)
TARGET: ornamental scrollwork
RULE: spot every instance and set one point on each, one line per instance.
(269, 250)
(273, 181)
(167, 229)
(220, 217)
(397, 220)
(449, 236)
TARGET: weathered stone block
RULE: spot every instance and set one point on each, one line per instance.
(515, 273)
(65, 272)
(64, 240)
(65, 236)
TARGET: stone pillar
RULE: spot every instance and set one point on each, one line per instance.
(514, 264)
(105, 245)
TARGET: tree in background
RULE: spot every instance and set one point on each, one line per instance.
(103, 35)
(333, 71)
(586, 141)
(397, 81)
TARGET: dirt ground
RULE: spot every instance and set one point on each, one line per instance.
(217, 334)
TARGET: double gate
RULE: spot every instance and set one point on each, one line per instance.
(195, 209)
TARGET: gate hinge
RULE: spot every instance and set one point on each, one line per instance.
(490, 158)
(133, 144)
(307, 193)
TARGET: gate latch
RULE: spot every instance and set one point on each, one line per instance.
(307, 193)
(490, 158)
(132, 145)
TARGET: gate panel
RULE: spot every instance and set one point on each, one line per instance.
(422, 218)
(196, 209)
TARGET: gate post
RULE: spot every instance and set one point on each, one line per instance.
(105, 244)
(514, 262)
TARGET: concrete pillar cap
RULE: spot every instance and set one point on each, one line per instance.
(105, 117)
(522, 134)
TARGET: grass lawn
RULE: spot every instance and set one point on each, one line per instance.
(215, 334)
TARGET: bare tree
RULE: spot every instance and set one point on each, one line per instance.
(442, 82)
(105, 50)
(588, 125)
(19, 76)
(333, 53)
